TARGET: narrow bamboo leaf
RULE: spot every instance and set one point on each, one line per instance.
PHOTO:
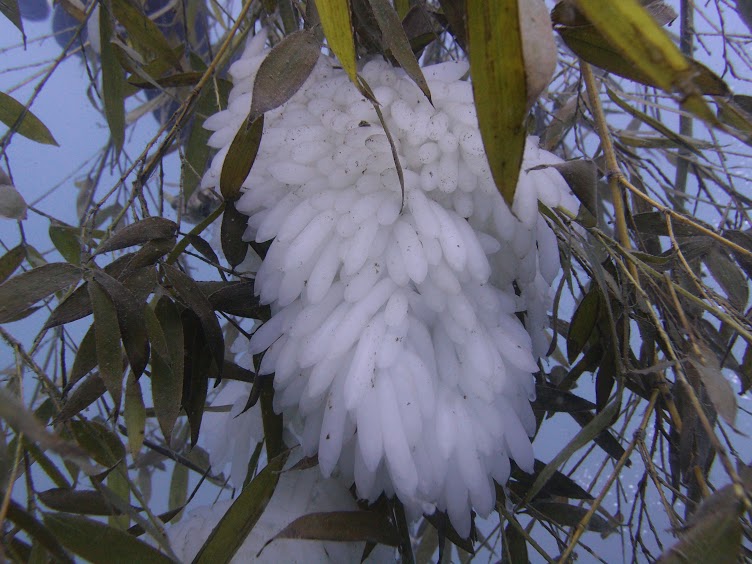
(196, 301)
(553, 399)
(604, 439)
(104, 445)
(582, 177)
(538, 48)
(82, 397)
(190, 78)
(134, 414)
(86, 357)
(37, 531)
(514, 549)
(111, 546)
(226, 538)
(583, 323)
(66, 241)
(240, 158)
(234, 224)
(557, 485)
(284, 70)
(9, 8)
(12, 203)
(166, 379)
(236, 298)
(30, 126)
(21, 292)
(144, 34)
(46, 463)
(107, 337)
(718, 387)
(85, 502)
(338, 29)
(139, 233)
(396, 40)
(729, 276)
(130, 318)
(10, 262)
(493, 28)
(341, 526)
(178, 487)
(198, 363)
(640, 39)
(118, 493)
(569, 515)
(113, 82)
(455, 13)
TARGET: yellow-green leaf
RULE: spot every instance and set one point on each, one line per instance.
(144, 33)
(338, 29)
(240, 158)
(134, 414)
(497, 67)
(15, 115)
(107, 338)
(113, 82)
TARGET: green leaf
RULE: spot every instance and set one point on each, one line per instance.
(12, 203)
(718, 387)
(338, 29)
(341, 526)
(583, 323)
(552, 399)
(232, 530)
(10, 262)
(514, 546)
(21, 292)
(85, 502)
(14, 115)
(139, 233)
(134, 414)
(37, 531)
(113, 81)
(494, 27)
(166, 336)
(66, 241)
(197, 365)
(178, 487)
(200, 305)
(240, 158)
(100, 543)
(103, 445)
(145, 35)
(86, 357)
(234, 224)
(395, 39)
(82, 397)
(569, 515)
(107, 337)
(9, 8)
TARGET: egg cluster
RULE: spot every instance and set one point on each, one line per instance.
(406, 326)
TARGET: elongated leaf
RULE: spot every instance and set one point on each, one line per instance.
(82, 397)
(30, 126)
(9, 8)
(240, 158)
(558, 484)
(342, 526)
(338, 29)
(178, 487)
(139, 233)
(718, 387)
(583, 323)
(226, 538)
(86, 357)
(729, 276)
(514, 546)
(113, 82)
(134, 414)
(100, 543)
(66, 241)
(86, 502)
(10, 262)
(233, 228)
(37, 531)
(166, 335)
(12, 203)
(395, 39)
(195, 299)
(552, 399)
(104, 445)
(145, 35)
(21, 292)
(197, 366)
(569, 515)
(236, 298)
(493, 28)
(130, 318)
(283, 71)
(107, 337)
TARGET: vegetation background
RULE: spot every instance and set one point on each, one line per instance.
(642, 438)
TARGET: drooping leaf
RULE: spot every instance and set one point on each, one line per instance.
(538, 48)
(198, 363)
(167, 370)
(240, 158)
(200, 305)
(144, 34)
(134, 414)
(10, 262)
(395, 39)
(101, 443)
(552, 399)
(234, 224)
(568, 515)
(9, 8)
(21, 292)
(178, 487)
(729, 276)
(12, 203)
(112, 546)
(40, 533)
(229, 534)
(514, 550)
(583, 323)
(493, 28)
(139, 233)
(341, 526)
(30, 126)
(283, 71)
(82, 397)
(338, 29)
(107, 338)
(718, 387)
(557, 485)
(237, 298)
(66, 241)
(86, 357)
(113, 82)
(455, 13)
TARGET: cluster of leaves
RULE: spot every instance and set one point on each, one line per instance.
(655, 286)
